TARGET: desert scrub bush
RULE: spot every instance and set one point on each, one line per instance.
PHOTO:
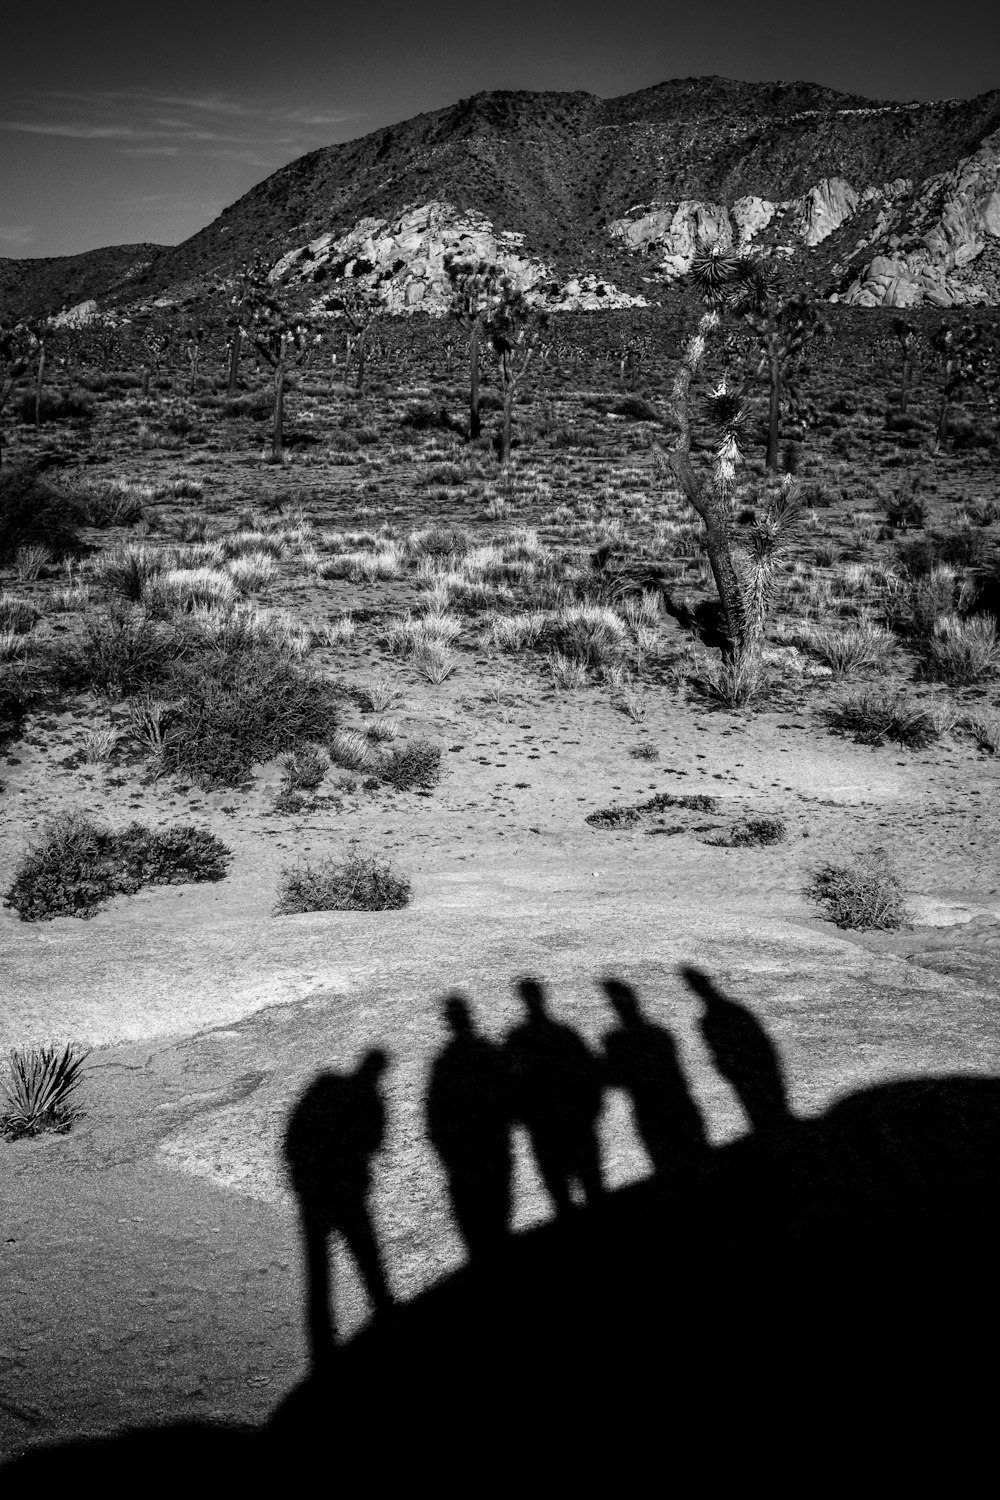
(439, 541)
(98, 745)
(126, 570)
(78, 864)
(359, 882)
(17, 615)
(435, 662)
(984, 730)
(415, 766)
(734, 682)
(112, 502)
(378, 695)
(962, 651)
(183, 589)
(922, 603)
(35, 513)
(304, 769)
(29, 561)
(68, 600)
(591, 634)
(252, 570)
(352, 750)
(415, 633)
(849, 650)
(902, 506)
(874, 715)
(121, 652)
(240, 707)
(752, 833)
(961, 547)
(39, 1089)
(864, 894)
(515, 632)
(19, 692)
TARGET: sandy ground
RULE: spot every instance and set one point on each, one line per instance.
(151, 1255)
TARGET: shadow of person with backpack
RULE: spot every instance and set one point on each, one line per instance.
(333, 1132)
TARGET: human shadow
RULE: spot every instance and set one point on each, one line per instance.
(557, 1089)
(333, 1132)
(742, 1052)
(468, 1114)
(640, 1057)
(822, 1293)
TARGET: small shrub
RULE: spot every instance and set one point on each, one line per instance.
(851, 649)
(361, 882)
(111, 504)
(753, 833)
(127, 570)
(35, 513)
(984, 729)
(19, 691)
(29, 562)
(644, 751)
(55, 407)
(40, 1086)
(351, 750)
(903, 507)
(305, 768)
(122, 652)
(98, 745)
(415, 766)
(379, 694)
(237, 708)
(78, 865)
(963, 651)
(874, 716)
(637, 409)
(929, 597)
(17, 615)
(734, 682)
(435, 662)
(865, 894)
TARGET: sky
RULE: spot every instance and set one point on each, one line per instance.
(123, 122)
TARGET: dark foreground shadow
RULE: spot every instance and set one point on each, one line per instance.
(819, 1299)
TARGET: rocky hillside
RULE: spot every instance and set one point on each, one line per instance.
(39, 287)
(595, 202)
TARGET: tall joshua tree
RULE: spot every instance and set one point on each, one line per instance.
(474, 293)
(745, 570)
(515, 328)
(970, 358)
(782, 323)
(360, 307)
(282, 338)
(905, 335)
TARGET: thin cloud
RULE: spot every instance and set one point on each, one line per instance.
(149, 150)
(17, 234)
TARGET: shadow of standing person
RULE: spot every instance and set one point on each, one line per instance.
(743, 1053)
(333, 1132)
(557, 1088)
(641, 1058)
(468, 1120)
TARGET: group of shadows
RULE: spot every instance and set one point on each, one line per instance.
(820, 1292)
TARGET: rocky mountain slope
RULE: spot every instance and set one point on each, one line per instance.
(594, 202)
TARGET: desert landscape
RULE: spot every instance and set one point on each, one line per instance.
(326, 694)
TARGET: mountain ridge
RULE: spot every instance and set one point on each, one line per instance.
(560, 168)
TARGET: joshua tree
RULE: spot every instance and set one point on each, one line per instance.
(782, 323)
(13, 362)
(970, 359)
(282, 338)
(474, 293)
(515, 328)
(744, 570)
(192, 348)
(360, 307)
(905, 335)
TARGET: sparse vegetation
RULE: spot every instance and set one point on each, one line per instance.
(865, 893)
(39, 1090)
(78, 865)
(358, 882)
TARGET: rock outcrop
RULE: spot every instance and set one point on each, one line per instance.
(403, 260)
(676, 231)
(930, 252)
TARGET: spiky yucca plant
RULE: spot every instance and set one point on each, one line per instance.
(39, 1088)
